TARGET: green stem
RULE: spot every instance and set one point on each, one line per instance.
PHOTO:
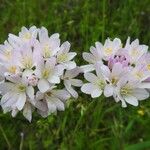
(21, 143)
(5, 137)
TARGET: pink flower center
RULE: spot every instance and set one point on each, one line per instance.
(118, 59)
(32, 80)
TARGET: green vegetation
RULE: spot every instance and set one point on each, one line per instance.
(87, 124)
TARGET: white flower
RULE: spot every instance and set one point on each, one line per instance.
(92, 58)
(64, 57)
(96, 84)
(135, 50)
(26, 36)
(124, 71)
(95, 55)
(51, 101)
(48, 46)
(112, 77)
(139, 73)
(6, 51)
(100, 52)
(26, 57)
(33, 63)
(109, 48)
(130, 92)
(48, 73)
(32, 80)
(16, 94)
(69, 81)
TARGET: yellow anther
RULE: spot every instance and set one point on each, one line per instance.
(139, 75)
(108, 50)
(126, 90)
(62, 58)
(12, 69)
(27, 62)
(148, 67)
(134, 52)
(101, 83)
(8, 54)
(27, 36)
(47, 51)
(45, 73)
(21, 88)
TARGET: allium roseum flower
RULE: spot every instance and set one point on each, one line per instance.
(32, 65)
(70, 82)
(121, 72)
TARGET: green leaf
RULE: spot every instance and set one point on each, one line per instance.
(139, 146)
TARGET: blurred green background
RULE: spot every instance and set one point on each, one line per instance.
(87, 124)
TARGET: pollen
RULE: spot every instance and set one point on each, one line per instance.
(12, 69)
(21, 88)
(114, 80)
(126, 90)
(27, 62)
(27, 36)
(8, 54)
(148, 67)
(101, 84)
(45, 73)
(62, 58)
(108, 50)
(139, 75)
(134, 52)
(47, 51)
(48, 93)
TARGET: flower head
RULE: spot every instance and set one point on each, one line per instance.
(32, 65)
(121, 72)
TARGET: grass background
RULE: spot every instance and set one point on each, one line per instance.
(98, 124)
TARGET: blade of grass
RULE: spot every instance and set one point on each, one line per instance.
(5, 137)
(139, 146)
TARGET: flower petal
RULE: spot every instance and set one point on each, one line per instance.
(88, 57)
(63, 95)
(27, 112)
(141, 94)
(70, 56)
(87, 68)
(21, 101)
(96, 93)
(69, 65)
(70, 89)
(90, 77)
(131, 100)
(51, 105)
(54, 79)
(87, 88)
(76, 82)
(43, 85)
(30, 92)
(73, 72)
(108, 90)
(59, 104)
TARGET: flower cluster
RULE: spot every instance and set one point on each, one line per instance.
(119, 71)
(36, 72)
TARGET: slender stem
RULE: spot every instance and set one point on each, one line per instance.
(21, 142)
(5, 137)
(81, 117)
